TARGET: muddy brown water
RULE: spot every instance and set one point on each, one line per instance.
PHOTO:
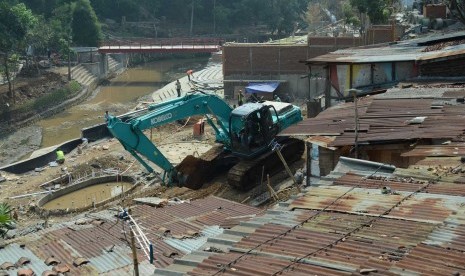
(85, 196)
(118, 97)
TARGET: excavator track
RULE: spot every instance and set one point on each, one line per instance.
(247, 173)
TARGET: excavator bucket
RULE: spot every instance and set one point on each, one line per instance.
(193, 172)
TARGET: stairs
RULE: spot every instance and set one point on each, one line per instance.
(80, 74)
(113, 65)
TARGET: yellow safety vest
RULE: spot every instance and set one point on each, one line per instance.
(60, 155)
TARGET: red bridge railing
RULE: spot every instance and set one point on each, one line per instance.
(161, 42)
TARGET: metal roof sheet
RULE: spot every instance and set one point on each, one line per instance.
(190, 244)
(401, 51)
(387, 120)
(13, 252)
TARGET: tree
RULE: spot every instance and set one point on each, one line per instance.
(377, 10)
(86, 30)
(15, 23)
(349, 15)
(458, 9)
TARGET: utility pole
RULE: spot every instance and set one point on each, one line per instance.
(134, 253)
(192, 18)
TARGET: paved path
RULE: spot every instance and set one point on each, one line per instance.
(209, 79)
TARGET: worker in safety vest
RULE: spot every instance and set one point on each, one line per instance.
(60, 156)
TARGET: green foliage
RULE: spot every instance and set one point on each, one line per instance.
(5, 215)
(15, 22)
(51, 99)
(376, 9)
(85, 26)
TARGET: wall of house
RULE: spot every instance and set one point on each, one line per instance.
(364, 76)
(444, 68)
(249, 62)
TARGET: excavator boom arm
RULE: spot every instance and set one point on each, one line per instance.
(131, 135)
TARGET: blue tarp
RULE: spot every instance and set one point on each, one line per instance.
(261, 87)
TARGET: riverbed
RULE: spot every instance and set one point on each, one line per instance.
(118, 97)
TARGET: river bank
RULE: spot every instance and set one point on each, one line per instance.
(120, 95)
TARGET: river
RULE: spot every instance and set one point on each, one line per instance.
(118, 97)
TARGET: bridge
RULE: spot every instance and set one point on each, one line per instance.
(164, 45)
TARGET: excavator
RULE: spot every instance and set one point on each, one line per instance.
(244, 137)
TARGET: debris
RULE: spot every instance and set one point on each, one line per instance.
(53, 164)
(22, 261)
(105, 147)
(213, 249)
(110, 249)
(49, 273)
(368, 270)
(80, 261)
(25, 272)
(2, 179)
(52, 261)
(170, 254)
(39, 169)
(386, 190)
(61, 268)
(7, 266)
(83, 221)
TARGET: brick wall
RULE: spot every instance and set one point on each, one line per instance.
(435, 11)
(380, 34)
(250, 59)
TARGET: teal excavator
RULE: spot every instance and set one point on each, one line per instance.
(244, 136)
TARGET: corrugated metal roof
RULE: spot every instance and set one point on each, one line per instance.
(349, 226)
(396, 52)
(106, 245)
(13, 252)
(387, 120)
(113, 260)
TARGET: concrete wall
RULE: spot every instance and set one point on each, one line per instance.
(94, 68)
(41, 161)
(75, 187)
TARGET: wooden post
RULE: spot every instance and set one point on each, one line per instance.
(270, 189)
(354, 92)
(308, 162)
(134, 253)
(278, 151)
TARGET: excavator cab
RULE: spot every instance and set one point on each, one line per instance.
(251, 129)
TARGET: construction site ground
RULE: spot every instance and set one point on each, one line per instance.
(106, 154)
(176, 140)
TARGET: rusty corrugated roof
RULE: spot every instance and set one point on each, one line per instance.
(106, 246)
(383, 119)
(410, 50)
(351, 227)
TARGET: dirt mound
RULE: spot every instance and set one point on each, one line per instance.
(28, 88)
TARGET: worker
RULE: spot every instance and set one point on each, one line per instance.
(240, 98)
(107, 116)
(178, 88)
(60, 156)
(190, 73)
